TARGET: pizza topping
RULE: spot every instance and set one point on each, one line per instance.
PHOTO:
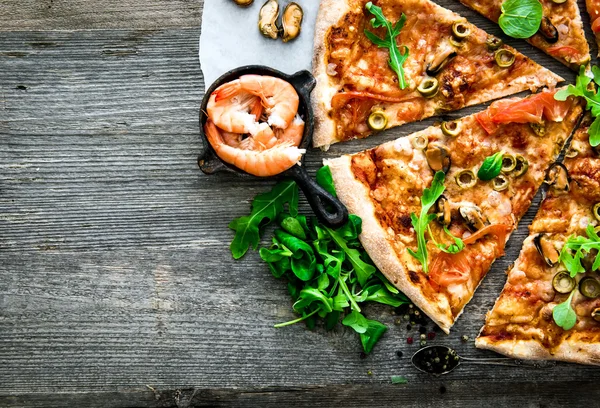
(520, 18)
(444, 215)
(499, 230)
(575, 250)
(420, 142)
(589, 287)
(557, 176)
(564, 315)
(546, 249)
(291, 21)
(563, 282)
(448, 269)
(596, 25)
(596, 211)
(559, 1)
(521, 167)
(504, 58)
(438, 158)
(465, 179)
(491, 167)
(548, 31)
(397, 57)
(451, 128)
(508, 163)
(461, 30)
(429, 87)
(500, 183)
(473, 216)
(440, 60)
(267, 19)
(596, 314)
(493, 43)
(539, 129)
(377, 120)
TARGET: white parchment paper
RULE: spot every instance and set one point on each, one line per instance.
(230, 38)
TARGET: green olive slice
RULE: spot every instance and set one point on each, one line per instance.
(465, 179)
(419, 142)
(589, 287)
(559, 1)
(508, 163)
(377, 120)
(504, 58)
(538, 128)
(500, 183)
(461, 30)
(563, 282)
(521, 167)
(596, 211)
(429, 87)
(493, 43)
(451, 128)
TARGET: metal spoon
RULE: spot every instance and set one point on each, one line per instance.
(440, 365)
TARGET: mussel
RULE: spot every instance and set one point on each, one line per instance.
(243, 3)
(548, 31)
(267, 19)
(596, 314)
(558, 177)
(546, 249)
(291, 21)
(444, 211)
(438, 158)
(596, 211)
(474, 217)
(439, 61)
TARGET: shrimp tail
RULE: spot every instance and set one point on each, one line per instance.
(227, 90)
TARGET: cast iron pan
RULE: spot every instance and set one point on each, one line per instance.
(328, 209)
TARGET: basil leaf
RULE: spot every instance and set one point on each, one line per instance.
(564, 315)
(521, 18)
(491, 167)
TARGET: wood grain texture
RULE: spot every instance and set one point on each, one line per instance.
(115, 273)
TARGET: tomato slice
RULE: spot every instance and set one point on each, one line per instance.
(447, 269)
(340, 98)
(563, 51)
(527, 110)
(596, 25)
(499, 230)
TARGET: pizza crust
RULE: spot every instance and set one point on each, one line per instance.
(356, 197)
(330, 12)
(571, 351)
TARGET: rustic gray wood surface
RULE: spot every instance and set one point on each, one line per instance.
(117, 287)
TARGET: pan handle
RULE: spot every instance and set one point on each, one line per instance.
(329, 210)
(304, 82)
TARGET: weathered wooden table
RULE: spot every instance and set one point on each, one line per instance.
(117, 287)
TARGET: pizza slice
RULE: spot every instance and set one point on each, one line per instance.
(560, 34)
(593, 8)
(493, 161)
(438, 62)
(550, 305)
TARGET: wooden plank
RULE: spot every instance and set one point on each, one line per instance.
(29, 15)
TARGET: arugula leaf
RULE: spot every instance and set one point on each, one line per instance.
(363, 270)
(374, 332)
(310, 295)
(357, 321)
(564, 315)
(491, 167)
(265, 208)
(325, 180)
(303, 261)
(380, 294)
(455, 248)
(430, 196)
(294, 227)
(398, 379)
(583, 89)
(576, 248)
(521, 18)
(397, 57)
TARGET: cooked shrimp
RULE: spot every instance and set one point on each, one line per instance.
(258, 163)
(233, 107)
(292, 134)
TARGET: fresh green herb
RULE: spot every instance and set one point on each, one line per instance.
(420, 224)
(325, 180)
(455, 248)
(576, 248)
(564, 315)
(328, 271)
(521, 18)
(397, 57)
(265, 208)
(586, 89)
(398, 379)
(491, 167)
